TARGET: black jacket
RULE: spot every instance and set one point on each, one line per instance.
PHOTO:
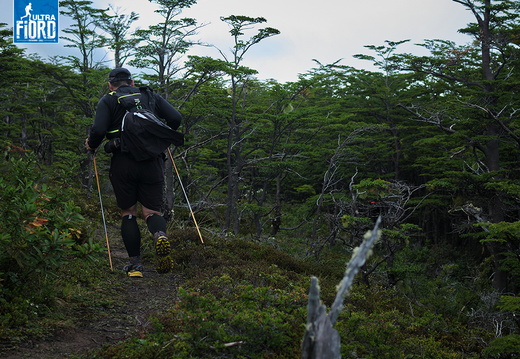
(110, 113)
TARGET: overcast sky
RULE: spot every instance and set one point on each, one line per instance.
(327, 31)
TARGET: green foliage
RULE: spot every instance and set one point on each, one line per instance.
(502, 232)
(507, 235)
(379, 323)
(237, 303)
(44, 231)
(445, 124)
(349, 222)
(504, 347)
(373, 189)
(82, 34)
(41, 233)
(161, 43)
(244, 300)
(265, 320)
(436, 278)
(509, 304)
(394, 334)
(507, 346)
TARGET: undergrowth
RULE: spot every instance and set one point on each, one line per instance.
(238, 298)
(247, 300)
(46, 253)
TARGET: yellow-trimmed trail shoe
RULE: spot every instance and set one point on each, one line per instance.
(163, 251)
(134, 270)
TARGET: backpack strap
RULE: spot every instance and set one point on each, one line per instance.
(138, 100)
(149, 97)
(129, 101)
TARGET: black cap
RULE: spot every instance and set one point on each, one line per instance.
(119, 74)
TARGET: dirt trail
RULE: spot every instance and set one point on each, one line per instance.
(142, 298)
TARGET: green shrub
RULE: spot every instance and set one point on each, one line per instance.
(507, 347)
(39, 225)
(40, 233)
(236, 321)
(265, 320)
(396, 334)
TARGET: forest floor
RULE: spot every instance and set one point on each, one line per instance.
(138, 300)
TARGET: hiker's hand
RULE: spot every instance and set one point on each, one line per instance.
(88, 147)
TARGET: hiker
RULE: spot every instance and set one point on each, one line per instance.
(134, 181)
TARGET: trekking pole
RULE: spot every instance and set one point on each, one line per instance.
(103, 214)
(186, 196)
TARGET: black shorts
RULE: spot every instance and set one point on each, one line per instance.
(135, 181)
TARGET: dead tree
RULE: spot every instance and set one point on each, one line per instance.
(321, 340)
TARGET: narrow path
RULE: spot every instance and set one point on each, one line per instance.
(143, 298)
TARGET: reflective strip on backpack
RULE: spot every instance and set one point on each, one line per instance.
(123, 121)
(137, 101)
(128, 95)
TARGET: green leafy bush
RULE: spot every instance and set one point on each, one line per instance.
(235, 321)
(263, 320)
(40, 234)
(39, 224)
(392, 331)
(507, 347)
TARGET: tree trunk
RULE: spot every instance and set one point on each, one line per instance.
(495, 208)
(276, 222)
(492, 149)
(232, 180)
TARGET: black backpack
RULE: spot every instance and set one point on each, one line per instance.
(143, 135)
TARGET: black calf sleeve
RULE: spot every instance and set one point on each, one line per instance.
(156, 223)
(131, 235)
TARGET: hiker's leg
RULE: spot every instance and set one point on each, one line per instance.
(130, 211)
(157, 226)
(150, 194)
(131, 234)
(125, 182)
(154, 220)
(123, 176)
